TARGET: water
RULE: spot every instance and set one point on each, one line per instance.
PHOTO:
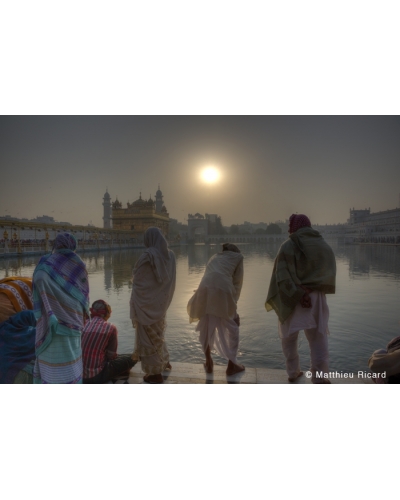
(364, 312)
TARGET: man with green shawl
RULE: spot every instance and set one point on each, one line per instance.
(304, 271)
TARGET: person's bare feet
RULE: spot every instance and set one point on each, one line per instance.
(209, 365)
(168, 367)
(292, 379)
(233, 369)
(321, 381)
(153, 379)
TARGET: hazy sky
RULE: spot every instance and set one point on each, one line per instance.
(271, 166)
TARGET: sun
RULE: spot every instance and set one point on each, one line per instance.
(210, 175)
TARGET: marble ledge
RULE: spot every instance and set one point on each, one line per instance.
(188, 373)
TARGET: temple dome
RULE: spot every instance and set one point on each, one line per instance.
(139, 201)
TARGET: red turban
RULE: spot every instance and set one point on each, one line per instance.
(100, 308)
(297, 221)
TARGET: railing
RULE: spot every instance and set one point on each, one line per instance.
(15, 250)
(244, 238)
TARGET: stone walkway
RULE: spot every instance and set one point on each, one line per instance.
(187, 373)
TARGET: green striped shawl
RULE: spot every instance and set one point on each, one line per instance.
(304, 259)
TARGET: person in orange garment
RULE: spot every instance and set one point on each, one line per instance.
(15, 296)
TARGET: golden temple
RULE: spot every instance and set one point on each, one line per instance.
(140, 215)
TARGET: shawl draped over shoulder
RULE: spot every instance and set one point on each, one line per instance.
(60, 296)
(154, 278)
(219, 289)
(304, 259)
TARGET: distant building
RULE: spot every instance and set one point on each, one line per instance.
(159, 200)
(377, 227)
(46, 219)
(253, 228)
(358, 215)
(107, 211)
(140, 215)
(204, 226)
(214, 224)
(177, 230)
(43, 219)
(197, 226)
(8, 218)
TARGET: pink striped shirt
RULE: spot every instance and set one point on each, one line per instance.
(99, 345)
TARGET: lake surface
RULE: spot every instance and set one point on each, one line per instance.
(364, 312)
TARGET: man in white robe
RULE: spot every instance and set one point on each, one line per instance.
(214, 306)
(304, 271)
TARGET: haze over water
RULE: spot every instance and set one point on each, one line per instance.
(364, 313)
(265, 167)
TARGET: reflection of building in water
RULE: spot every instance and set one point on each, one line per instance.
(140, 215)
(377, 227)
(13, 266)
(366, 260)
(198, 255)
(358, 263)
(94, 262)
(119, 267)
(107, 271)
(384, 259)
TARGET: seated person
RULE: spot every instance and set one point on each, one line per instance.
(17, 330)
(99, 348)
(17, 348)
(15, 296)
(387, 361)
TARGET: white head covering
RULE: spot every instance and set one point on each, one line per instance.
(154, 277)
(157, 251)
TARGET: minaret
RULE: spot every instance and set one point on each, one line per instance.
(107, 210)
(159, 200)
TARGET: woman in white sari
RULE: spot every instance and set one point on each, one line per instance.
(153, 286)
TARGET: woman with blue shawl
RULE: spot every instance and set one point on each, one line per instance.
(61, 306)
